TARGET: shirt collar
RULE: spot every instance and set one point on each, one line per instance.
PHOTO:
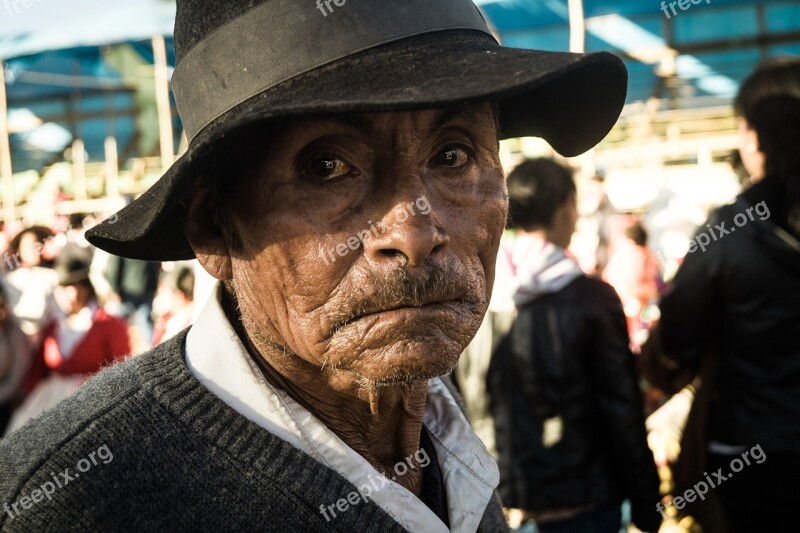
(217, 358)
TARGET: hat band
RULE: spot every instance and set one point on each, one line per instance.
(281, 39)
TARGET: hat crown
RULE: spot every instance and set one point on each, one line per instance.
(246, 52)
(195, 19)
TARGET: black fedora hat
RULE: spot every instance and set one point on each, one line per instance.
(245, 61)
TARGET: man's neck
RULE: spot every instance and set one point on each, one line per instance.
(382, 425)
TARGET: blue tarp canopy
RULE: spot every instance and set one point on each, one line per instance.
(77, 69)
(32, 26)
(715, 43)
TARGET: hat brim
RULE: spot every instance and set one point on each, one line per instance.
(570, 100)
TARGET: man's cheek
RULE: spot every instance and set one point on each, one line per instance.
(489, 227)
(487, 254)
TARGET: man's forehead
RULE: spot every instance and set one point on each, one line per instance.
(429, 119)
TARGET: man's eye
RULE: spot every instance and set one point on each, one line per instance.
(452, 156)
(328, 167)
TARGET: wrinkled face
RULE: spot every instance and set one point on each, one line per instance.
(369, 241)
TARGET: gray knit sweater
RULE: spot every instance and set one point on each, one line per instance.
(145, 447)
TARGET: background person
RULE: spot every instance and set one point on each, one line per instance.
(740, 301)
(177, 298)
(81, 340)
(135, 283)
(84, 337)
(30, 282)
(76, 244)
(563, 391)
(15, 361)
(633, 271)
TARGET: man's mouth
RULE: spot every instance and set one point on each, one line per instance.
(403, 306)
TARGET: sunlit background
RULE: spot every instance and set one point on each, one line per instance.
(90, 121)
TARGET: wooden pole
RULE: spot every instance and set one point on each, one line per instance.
(577, 27)
(79, 169)
(577, 44)
(6, 169)
(112, 167)
(163, 102)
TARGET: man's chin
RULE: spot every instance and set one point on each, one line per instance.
(404, 378)
(399, 365)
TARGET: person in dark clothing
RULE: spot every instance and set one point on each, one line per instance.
(563, 391)
(136, 283)
(737, 295)
(15, 360)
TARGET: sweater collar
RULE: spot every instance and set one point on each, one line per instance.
(217, 358)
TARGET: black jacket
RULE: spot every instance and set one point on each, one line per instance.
(740, 299)
(566, 358)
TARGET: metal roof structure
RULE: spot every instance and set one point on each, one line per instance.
(81, 69)
(671, 53)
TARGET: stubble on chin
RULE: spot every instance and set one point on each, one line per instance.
(369, 354)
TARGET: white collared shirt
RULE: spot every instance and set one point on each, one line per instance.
(217, 358)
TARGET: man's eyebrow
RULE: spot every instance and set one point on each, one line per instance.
(359, 122)
(466, 112)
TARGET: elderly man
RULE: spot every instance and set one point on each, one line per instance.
(343, 184)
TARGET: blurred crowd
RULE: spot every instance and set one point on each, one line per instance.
(567, 365)
(68, 310)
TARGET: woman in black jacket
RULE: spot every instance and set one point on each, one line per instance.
(563, 393)
(737, 295)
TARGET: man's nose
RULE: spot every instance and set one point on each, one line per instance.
(406, 237)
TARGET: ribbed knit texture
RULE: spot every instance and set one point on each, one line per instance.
(183, 460)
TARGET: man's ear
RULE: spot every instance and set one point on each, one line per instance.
(204, 234)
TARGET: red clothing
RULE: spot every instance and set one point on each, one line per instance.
(105, 342)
